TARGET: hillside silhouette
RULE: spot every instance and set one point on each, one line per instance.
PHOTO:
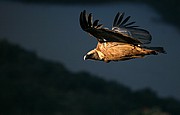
(35, 86)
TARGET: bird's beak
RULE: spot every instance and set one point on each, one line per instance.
(85, 57)
(89, 56)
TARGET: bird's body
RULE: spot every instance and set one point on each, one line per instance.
(123, 42)
(113, 51)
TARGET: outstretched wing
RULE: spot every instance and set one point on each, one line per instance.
(103, 34)
(121, 26)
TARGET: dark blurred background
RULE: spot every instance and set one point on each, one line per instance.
(42, 70)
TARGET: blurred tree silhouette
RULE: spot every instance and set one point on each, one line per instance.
(147, 111)
(31, 85)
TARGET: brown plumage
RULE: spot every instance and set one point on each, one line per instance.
(123, 42)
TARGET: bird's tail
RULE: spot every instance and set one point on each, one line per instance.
(156, 49)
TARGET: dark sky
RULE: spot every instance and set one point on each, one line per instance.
(53, 32)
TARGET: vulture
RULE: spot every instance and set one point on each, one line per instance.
(123, 42)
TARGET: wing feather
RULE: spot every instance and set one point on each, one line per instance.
(116, 19)
(90, 19)
(99, 26)
(122, 24)
(95, 23)
(84, 16)
(128, 29)
(104, 34)
(129, 24)
(121, 15)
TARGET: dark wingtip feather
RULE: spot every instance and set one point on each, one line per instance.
(99, 26)
(132, 26)
(116, 19)
(120, 19)
(83, 20)
(119, 22)
(86, 21)
(95, 23)
(128, 24)
(90, 20)
(84, 11)
(125, 20)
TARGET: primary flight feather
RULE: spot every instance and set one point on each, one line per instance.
(125, 41)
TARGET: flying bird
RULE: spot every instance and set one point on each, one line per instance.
(123, 42)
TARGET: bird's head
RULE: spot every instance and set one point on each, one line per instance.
(93, 55)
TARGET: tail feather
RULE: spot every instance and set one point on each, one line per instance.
(157, 49)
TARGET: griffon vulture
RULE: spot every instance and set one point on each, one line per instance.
(125, 41)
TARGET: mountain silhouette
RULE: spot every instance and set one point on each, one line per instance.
(33, 85)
